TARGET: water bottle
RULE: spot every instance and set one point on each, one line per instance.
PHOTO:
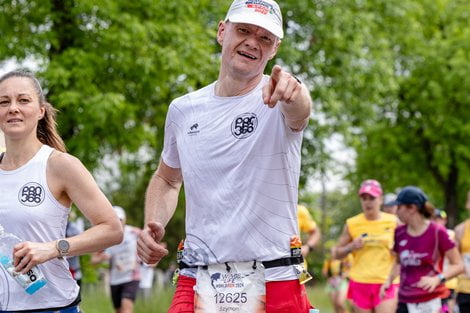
(33, 280)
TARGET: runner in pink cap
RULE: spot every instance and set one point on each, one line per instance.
(369, 237)
(371, 187)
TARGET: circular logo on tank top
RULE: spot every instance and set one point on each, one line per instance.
(244, 125)
(31, 194)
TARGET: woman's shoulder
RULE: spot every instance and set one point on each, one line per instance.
(401, 229)
(63, 163)
(359, 218)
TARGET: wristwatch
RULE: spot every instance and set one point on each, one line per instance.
(63, 247)
(442, 278)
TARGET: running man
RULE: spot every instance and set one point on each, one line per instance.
(236, 144)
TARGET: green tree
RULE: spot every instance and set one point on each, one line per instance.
(112, 68)
(392, 77)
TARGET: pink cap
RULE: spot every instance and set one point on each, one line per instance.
(371, 187)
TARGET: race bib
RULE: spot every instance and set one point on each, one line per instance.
(431, 306)
(230, 287)
(466, 261)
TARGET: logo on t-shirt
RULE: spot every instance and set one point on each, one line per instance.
(244, 125)
(193, 130)
(412, 258)
(31, 194)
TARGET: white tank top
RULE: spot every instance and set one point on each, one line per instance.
(240, 165)
(29, 210)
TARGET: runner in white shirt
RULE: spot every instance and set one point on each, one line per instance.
(125, 275)
(236, 144)
(39, 182)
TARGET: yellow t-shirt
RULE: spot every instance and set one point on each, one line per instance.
(463, 284)
(451, 283)
(373, 262)
(332, 267)
(306, 223)
(337, 267)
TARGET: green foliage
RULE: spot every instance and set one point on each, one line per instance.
(392, 77)
(95, 300)
(112, 68)
(389, 76)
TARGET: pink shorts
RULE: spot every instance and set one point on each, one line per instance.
(367, 296)
(281, 297)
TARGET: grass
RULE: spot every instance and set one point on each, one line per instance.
(96, 300)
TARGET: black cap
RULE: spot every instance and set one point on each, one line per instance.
(411, 195)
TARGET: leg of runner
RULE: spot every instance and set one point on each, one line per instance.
(386, 306)
(286, 296)
(127, 306)
(183, 299)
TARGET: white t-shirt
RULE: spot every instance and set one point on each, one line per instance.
(125, 264)
(29, 210)
(240, 163)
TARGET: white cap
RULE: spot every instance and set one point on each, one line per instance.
(120, 212)
(389, 198)
(262, 13)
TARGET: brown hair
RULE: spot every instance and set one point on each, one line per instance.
(427, 209)
(46, 130)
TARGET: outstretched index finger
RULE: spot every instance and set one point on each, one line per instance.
(269, 88)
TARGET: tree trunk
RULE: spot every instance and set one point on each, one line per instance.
(451, 193)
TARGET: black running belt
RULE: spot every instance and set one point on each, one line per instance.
(283, 262)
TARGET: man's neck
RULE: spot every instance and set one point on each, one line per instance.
(228, 86)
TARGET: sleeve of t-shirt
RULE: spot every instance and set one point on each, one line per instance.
(395, 241)
(445, 242)
(170, 148)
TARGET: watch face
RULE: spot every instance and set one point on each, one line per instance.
(63, 245)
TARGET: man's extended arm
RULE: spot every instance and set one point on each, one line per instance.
(160, 204)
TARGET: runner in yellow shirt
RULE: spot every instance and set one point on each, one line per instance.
(308, 226)
(448, 303)
(462, 238)
(369, 237)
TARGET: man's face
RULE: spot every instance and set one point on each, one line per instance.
(246, 48)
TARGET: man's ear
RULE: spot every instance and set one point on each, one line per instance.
(276, 46)
(221, 32)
